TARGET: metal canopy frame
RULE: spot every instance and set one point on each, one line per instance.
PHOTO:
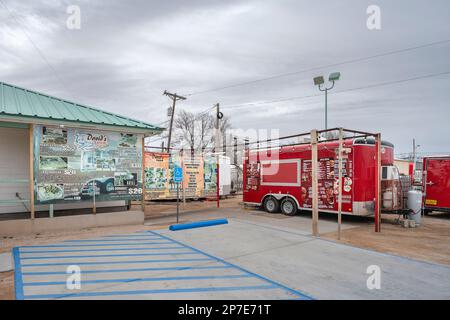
(315, 142)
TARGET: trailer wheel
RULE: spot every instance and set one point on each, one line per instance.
(271, 205)
(289, 207)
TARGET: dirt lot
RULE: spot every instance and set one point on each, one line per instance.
(430, 242)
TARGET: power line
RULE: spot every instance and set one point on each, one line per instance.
(41, 54)
(250, 104)
(351, 61)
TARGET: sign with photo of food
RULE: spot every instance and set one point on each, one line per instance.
(77, 164)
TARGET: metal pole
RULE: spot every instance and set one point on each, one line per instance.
(143, 174)
(377, 209)
(217, 145)
(326, 109)
(31, 170)
(178, 201)
(94, 187)
(315, 193)
(341, 142)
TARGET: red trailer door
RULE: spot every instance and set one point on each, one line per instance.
(437, 183)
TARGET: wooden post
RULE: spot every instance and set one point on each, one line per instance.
(31, 169)
(341, 143)
(183, 189)
(94, 191)
(377, 207)
(143, 174)
(315, 192)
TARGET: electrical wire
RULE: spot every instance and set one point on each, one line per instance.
(41, 54)
(250, 104)
(350, 61)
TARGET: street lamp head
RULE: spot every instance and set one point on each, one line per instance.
(319, 80)
(335, 76)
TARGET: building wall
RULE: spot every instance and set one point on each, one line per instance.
(14, 164)
(403, 166)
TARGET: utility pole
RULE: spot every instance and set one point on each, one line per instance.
(174, 98)
(219, 116)
(236, 166)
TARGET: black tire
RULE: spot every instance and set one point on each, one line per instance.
(271, 205)
(289, 207)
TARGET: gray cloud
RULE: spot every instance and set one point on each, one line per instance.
(128, 52)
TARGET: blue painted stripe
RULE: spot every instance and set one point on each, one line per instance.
(68, 263)
(141, 292)
(110, 255)
(92, 245)
(127, 270)
(296, 292)
(18, 285)
(102, 250)
(198, 224)
(185, 278)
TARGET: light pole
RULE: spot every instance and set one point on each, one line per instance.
(319, 81)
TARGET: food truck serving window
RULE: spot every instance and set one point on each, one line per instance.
(281, 173)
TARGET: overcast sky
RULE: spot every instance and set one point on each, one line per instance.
(126, 53)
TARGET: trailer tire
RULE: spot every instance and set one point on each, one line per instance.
(289, 207)
(271, 205)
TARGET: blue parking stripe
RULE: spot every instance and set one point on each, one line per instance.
(110, 255)
(102, 250)
(141, 292)
(18, 285)
(110, 262)
(92, 245)
(41, 273)
(156, 279)
(296, 292)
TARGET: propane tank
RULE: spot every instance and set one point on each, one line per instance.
(415, 206)
(387, 199)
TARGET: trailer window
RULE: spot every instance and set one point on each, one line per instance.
(384, 173)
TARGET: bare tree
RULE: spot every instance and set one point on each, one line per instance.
(197, 131)
(185, 122)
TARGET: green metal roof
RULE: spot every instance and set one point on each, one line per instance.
(22, 103)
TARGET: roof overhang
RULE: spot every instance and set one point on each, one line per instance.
(78, 124)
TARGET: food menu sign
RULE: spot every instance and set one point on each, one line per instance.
(71, 164)
(210, 170)
(328, 183)
(198, 176)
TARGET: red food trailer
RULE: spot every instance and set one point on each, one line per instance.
(436, 183)
(280, 179)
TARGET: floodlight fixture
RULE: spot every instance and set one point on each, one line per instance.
(335, 76)
(319, 80)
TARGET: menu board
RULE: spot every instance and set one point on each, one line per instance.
(73, 164)
(159, 183)
(157, 169)
(210, 165)
(193, 176)
(328, 183)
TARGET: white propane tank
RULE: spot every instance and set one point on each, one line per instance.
(415, 205)
(387, 200)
